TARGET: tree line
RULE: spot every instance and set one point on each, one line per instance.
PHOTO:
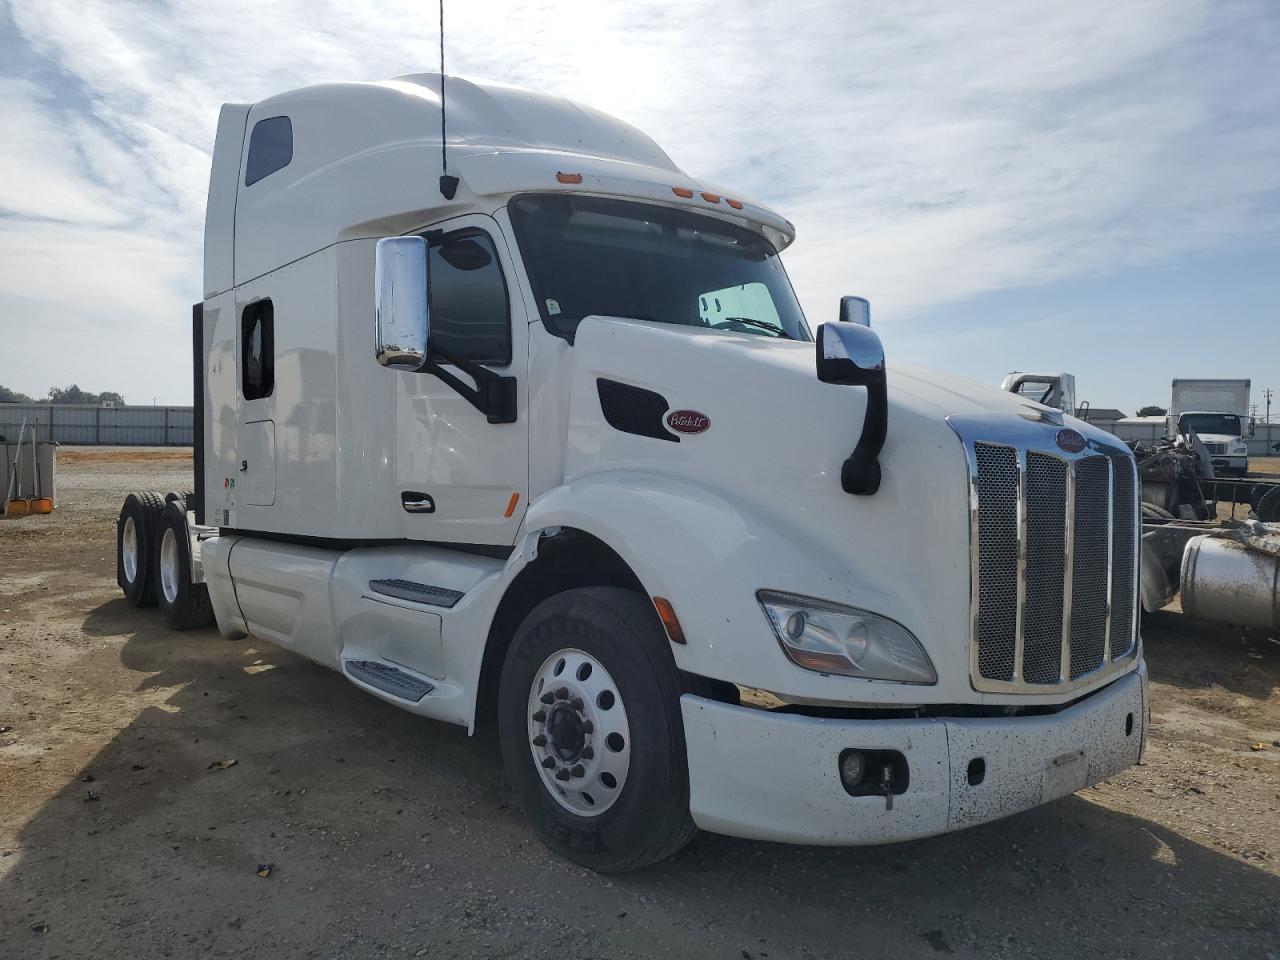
(71, 394)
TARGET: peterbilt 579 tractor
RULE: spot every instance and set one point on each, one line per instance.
(523, 425)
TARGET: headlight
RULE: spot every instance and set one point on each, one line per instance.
(832, 638)
(1240, 448)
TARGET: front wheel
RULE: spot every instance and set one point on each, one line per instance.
(591, 732)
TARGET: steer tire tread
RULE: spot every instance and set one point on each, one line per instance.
(650, 821)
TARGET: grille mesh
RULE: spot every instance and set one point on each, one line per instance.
(1080, 564)
(1089, 571)
(1046, 562)
(997, 559)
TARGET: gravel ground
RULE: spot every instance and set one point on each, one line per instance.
(391, 836)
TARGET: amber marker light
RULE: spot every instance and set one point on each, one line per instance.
(511, 505)
(736, 204)
(667, 614)
(569, 177)
(710, 197)
(683, 192)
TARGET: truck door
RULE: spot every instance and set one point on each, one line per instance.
(462, 479)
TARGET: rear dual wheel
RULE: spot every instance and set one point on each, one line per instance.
(591, 732)
(185, 605)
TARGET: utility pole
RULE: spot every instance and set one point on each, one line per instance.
(1267, 395)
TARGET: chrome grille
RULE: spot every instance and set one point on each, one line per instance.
(1054, 587)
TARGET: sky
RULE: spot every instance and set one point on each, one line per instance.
(1089, 186)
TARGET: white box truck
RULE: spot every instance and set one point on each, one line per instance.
(541, 438)
(1218, 412)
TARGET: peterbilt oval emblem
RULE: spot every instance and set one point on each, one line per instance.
(1069, 440)
(688, 421)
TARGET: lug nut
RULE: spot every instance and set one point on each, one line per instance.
(588, 753)
(540, 740)
(548, 697)
(576, 703)
(562, 693)
(579, 770)
(540, 717)
(548, 762)
(562, 774)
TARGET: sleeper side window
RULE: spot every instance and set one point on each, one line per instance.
(257, 350)
(270, 148)
(470, 316)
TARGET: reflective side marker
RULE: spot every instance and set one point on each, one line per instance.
(511, 505)
(667, 614)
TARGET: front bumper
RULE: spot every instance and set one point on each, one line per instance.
(769, 776)
(1238, 461)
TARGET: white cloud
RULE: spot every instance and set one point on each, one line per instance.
(927, 151)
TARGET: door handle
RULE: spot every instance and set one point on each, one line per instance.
(415, 502)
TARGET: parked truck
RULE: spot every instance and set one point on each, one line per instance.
(1218, 412)
(524, 425)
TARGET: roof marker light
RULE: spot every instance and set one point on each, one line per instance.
(710, 197)
(683, 192)
(568, 177)
(736, 204)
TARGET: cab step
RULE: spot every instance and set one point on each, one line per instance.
(383, 676)
(416, 592)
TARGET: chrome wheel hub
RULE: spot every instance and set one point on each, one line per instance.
(578, 732)
(129, 549)
(169, 565)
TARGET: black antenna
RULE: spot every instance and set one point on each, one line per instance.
(448, 184)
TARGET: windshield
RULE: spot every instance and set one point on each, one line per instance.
(1222, 423)
(619, 258)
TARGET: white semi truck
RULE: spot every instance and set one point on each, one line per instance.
(540, 437)
(1218, 412)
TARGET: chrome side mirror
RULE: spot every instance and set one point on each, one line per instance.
(855, 310)
(850, 354)
(400, 314)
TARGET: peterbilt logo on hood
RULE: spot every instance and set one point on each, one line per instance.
(688, 421)
(1069, 440)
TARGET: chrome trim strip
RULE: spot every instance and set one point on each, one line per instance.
(1024, 436)
(1111, 546)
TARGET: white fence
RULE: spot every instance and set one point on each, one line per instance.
(89, 424)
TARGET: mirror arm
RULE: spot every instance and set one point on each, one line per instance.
(494, 395)
(860, 474)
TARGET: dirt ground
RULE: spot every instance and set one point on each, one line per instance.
(391, 836)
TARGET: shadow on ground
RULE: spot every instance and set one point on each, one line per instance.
(389, 835)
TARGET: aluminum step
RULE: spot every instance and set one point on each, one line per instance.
(399, 683)
(416, 592)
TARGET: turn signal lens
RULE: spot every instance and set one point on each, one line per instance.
(667, 614)
(569, 177)
(832, 638)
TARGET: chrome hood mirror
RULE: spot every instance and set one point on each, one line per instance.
(400, 314)
(850, 354)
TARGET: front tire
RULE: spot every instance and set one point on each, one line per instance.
(602, 773)
(185, 605)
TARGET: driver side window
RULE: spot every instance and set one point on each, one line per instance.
(470, 315)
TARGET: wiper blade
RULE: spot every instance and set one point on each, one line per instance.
(763, 325)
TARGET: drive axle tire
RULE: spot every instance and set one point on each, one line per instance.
(136, 530)
(591, 731)
(185, 605)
